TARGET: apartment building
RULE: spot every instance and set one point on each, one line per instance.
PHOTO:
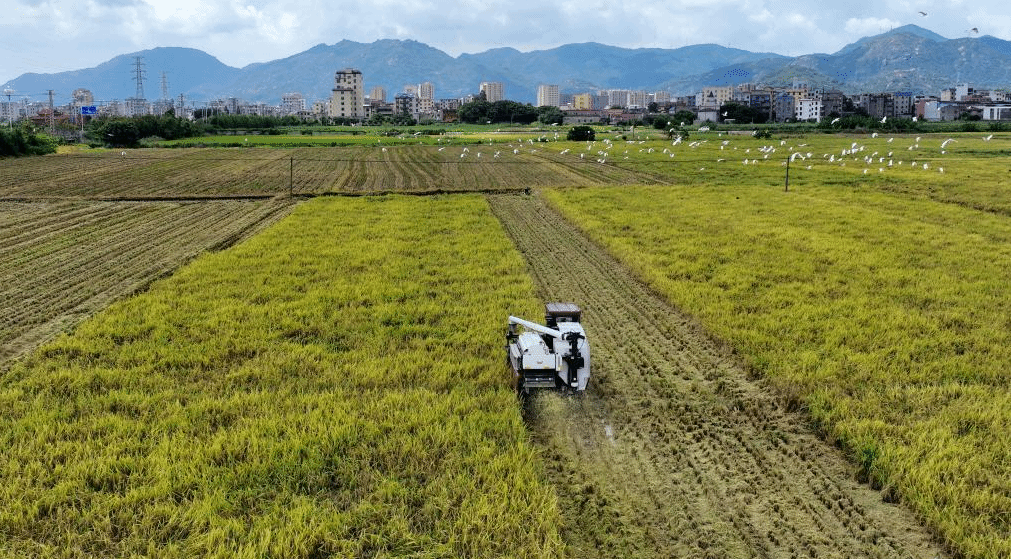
(348, 95)
(809, 107)
(493, 91)
(547, 96)
(292, 103)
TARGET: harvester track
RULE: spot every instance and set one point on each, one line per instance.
(674, 451)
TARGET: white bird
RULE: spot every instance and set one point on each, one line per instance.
(945, 143)
(834, 120)
(883, 119)
(442, 148)
(988, 138)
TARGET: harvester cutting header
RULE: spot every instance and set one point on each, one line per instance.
(555, 355)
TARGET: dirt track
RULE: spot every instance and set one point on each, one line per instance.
(674, 452)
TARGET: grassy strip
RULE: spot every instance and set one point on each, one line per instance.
(886, 316)
(332, 387)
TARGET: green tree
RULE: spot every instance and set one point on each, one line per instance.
(581, 133)
(473, 112)
(120, 132)
(741, 114)
(682, 118)
(25, 140)
(550, 115)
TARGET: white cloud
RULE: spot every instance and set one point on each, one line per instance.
(862, 27)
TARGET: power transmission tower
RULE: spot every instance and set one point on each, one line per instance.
(138, 76)
(164, 86)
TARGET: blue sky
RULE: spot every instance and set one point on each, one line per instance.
(47, 36)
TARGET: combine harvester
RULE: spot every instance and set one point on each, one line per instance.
(554, 356)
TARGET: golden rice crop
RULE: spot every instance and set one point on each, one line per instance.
(331, 387)
(885, 315)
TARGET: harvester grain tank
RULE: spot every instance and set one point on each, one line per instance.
(555, 355)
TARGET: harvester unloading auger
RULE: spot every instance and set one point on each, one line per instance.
(554, 356)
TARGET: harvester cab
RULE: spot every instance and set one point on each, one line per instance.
(555, 355)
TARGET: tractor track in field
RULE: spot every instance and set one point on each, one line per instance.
(674, 451)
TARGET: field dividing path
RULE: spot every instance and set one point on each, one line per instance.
(674, 451)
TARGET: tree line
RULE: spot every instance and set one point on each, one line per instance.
(25, 140)
(480, 111)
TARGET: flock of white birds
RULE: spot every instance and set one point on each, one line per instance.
(878, 153)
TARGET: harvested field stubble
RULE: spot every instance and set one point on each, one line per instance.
(60, 262)
(208, 173)
(674, 452)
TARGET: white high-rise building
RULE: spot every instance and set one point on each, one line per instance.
(378, 94)
(493, 91)
(547, 95)
(426, 91)
(348, 99)
(638, 99)
(292, 103)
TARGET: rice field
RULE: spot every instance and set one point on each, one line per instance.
(330, 387)
(333, 385)
(880, 313)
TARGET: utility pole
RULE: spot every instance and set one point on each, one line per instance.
(10, 108)
(786, 187)
(52, 115)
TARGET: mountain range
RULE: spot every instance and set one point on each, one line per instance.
(907, 58)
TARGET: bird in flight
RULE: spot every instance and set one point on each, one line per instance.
(924, 14)
(975, 30)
